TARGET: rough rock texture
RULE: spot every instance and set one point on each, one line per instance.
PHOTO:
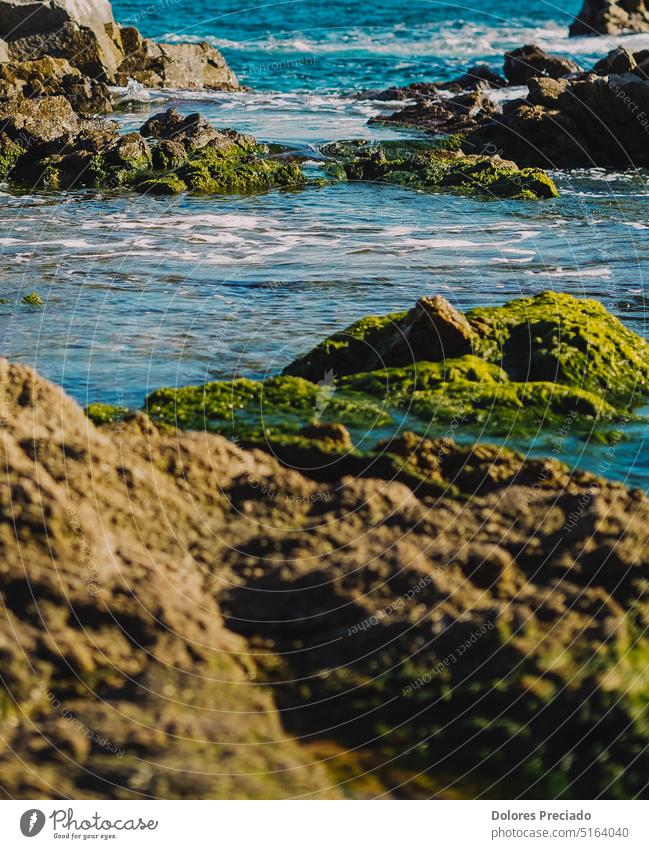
(181, 66)
(45, 26)
(443, 115)
(85, 33)
(437, 166)
(588, 121)
(49, 76)
(531, 61)
(609, 17)
(44, 144)
(184, 619)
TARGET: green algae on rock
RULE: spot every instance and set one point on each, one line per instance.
(507, 371)
(438, 165)
(184, 154)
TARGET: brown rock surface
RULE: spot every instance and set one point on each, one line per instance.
(609, 17)
(159, 587)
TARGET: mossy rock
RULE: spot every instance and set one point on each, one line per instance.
(439, 165)
(167, 184)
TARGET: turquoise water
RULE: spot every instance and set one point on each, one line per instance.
(142, 292)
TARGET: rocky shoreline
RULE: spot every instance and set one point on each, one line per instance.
(269, 588)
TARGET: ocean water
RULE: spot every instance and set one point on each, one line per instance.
(144, 292)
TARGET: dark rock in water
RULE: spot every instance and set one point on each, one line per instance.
(610, 17)
(531, 61)
(86, 34)
(618, 61)
(436, 166)
(443, 115)
(44, 144)
(49, 76)
(587, 121)
(327, 432)
(412, 91)
(477, 77)
(192, 131)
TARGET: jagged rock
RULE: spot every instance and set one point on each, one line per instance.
(182, 66)
(49, 76)
(192, 131)
(531, 61)
(77, 30)
(443, 115)
(588, 121)
(435, 166)
(610, 17)
(33, 121)
(85, 33)
(477, 77)
(153, 576)
(618, 61)
(44, 144)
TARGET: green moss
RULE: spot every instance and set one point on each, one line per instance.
(166, 184)
(101, 414)
(439, 165)
(34, 299)
(10, 153)
(556, 337)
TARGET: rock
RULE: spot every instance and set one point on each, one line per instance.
(43, 143)
(443, 115)
(588, 121)
(531, 61)
(618, 61)
(431, 330)
(327, 432)
(85, 33)
(51, 77)
(365, 586)
(37, 120)
(175, 66)
(477, 77)
(610, 17)
(436, 166)
(74, 29)
(192, 131)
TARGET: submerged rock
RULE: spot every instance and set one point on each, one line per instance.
(436, 166)
(494, 641)
(531, 61)
(610, 17)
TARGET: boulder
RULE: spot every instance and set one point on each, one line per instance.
(192, 131)
(86, 34)
(590, 120)
(531, 61)
(443, 115)
(618, 61)
(81, 31)
(611, 17)
(33, 121)
(50, 76)
(174, 66)
(478, 76)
